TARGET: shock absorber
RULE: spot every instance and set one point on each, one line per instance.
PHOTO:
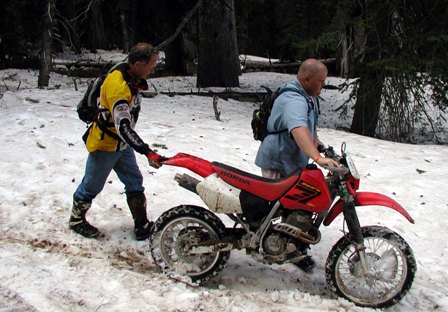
(351, 217)
(354, 227)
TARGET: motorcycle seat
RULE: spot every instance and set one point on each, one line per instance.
(268, 189)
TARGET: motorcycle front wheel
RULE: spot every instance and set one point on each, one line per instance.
(390, 272)
(179, 229)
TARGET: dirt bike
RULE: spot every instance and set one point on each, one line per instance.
(276, 221)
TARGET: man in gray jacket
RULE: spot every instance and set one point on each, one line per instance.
(293, 140)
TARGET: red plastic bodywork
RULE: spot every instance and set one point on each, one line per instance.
(198, 165)
(367, 199)
(306, 190)
(310, 193)
(270, 190)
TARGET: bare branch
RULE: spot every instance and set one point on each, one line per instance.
(180, 27)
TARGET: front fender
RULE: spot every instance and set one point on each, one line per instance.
(367, 199)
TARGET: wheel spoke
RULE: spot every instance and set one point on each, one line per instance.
(390, 268)
(178, 237)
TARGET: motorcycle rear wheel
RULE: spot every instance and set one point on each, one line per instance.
(179, 228)
(391, 268)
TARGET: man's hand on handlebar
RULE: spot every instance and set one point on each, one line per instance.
(330, 159)
(330, 153)
(323, 161)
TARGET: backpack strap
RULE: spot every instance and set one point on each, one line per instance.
(280, 92)
(104, 126)
(100, 121)
(311, 104)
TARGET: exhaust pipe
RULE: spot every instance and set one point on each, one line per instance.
(187, 182)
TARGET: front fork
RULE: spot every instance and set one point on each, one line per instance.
(354, 227)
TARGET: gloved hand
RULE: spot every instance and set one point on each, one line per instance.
(154, 160)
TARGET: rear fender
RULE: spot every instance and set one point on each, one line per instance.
(367, 199)
(198, 165)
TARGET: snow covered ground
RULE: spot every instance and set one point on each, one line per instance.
(46, 267)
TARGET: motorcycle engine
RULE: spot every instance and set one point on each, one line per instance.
(283, 241)
(279, 248)
(298, 225)
(300, 219)
(274, 244)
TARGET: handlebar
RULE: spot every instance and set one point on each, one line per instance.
(328, 152)
(338, 170)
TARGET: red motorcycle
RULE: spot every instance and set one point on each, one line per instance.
(276, 221)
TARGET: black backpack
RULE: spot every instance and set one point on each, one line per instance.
(261, 115)
(88, 108)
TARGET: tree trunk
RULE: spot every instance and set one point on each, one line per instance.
(96, 27)
(181, 47)
(368, 104)
(218, 52)
(124, 26)
(343, 57)
(353, 39)
(371, 76)
(133, 29)
(47, 39)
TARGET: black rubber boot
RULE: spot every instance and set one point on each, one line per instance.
(137, 205)
(306, 264)
(78, 222)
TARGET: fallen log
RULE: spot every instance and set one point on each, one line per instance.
(243, 96)
(257, 66)
(83, 63)
(89, 68)
(238, 95)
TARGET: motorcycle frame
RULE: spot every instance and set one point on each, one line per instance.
(324, 206)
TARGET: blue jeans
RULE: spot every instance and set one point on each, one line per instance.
(98, 167)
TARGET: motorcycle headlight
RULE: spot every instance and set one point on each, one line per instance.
(351, 166)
